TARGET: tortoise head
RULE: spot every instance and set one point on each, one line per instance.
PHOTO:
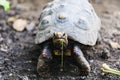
(59, 39)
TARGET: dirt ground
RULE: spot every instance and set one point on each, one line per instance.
(18, 52)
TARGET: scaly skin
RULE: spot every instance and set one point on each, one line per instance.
(44, 58)
(82, 63)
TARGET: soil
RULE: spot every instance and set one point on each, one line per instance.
(19, 53)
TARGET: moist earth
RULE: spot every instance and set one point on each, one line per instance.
(19, 53)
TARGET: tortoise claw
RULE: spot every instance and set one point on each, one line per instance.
(84, 72)
(40, 65)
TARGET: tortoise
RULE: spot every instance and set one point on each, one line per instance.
(63, 26)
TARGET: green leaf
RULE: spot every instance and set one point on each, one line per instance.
(5, 4)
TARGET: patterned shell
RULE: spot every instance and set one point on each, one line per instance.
(76, 18)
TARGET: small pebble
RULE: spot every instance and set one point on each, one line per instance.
(28, 62)
(61, 69)
(105, 54)
(91, 61)
(30, 26)
(29, 69)
(11, 19)
(10, 74)
(3, 47)
(20, 24)
(102, 74)
(114, 45)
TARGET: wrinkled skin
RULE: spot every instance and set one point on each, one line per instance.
(47, 53)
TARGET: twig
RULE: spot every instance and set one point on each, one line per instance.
(106, 68)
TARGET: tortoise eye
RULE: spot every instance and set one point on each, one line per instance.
(64, 34)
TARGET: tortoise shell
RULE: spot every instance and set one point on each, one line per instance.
(75, 18)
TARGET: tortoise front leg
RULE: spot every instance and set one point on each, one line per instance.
(82, 63)
(44, 59)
